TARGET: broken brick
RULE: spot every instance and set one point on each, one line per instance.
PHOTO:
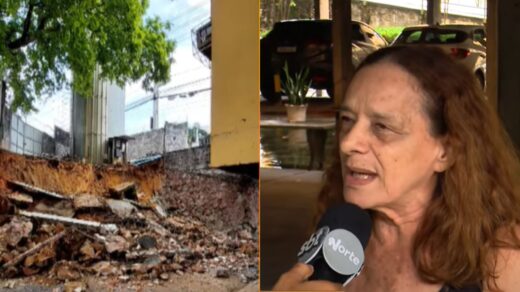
(16, 230)
(87, 201)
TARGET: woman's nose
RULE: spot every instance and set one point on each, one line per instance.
(354, 140)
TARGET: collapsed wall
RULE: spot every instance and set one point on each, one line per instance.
(72, 178)
(220, 199)
(63, 220)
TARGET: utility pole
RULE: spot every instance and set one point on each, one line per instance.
(2, 109)
(321, 11)
(342, 49)
(155, 117)
(433, 13)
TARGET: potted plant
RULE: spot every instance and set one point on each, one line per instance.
(296, 87)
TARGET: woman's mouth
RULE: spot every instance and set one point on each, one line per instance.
(359, 177)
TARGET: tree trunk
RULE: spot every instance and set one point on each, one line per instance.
(272, 13)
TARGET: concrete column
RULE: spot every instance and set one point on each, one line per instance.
(433, 12)
(508, 85)
(89, 122)
(342, 50)
(78, 125)
(321, 9)
(235, 99)
(96, 122)
(3, 94)
(491, 53)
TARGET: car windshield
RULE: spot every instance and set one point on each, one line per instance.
(431, 36)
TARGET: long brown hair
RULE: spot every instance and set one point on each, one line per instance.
(478, 196)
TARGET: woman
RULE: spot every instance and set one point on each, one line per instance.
(423, 151)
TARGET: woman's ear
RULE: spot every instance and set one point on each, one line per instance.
(444, 157)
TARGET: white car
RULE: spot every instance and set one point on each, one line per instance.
(467, 43)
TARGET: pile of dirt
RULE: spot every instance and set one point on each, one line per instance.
(72, 178)
(64, 221)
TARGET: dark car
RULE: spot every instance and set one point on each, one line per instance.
(308, 43)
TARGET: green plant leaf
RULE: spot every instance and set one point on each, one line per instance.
(296, 86)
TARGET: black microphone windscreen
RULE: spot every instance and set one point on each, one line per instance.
(350, 217)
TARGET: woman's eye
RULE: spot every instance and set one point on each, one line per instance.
(380, 126)
(346, 123)
(381, 129)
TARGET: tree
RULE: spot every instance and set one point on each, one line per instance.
(41, 40)
(275, 10)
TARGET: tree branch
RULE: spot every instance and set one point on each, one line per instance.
(24, 39)
(27, 37)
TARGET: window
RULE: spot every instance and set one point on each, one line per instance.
(357, 35)
(373, 37)
(413, 37)
(479, 36)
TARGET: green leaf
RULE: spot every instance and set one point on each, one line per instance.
(296, 86)
(78, 36)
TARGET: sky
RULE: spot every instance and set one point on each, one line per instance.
(187, 72)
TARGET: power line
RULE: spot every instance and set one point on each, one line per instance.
(186, 84)
(148, 98)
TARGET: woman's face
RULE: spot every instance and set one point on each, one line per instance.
(389, 158)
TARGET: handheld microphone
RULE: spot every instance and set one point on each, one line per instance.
(336, 249)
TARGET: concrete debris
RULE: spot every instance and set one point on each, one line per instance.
(74, 287)
(154, 260)
(158, 228)
(136, 203)
(88, 250)
(87, 201)
(62, 208)
(115, 243)
(251, 273)
(222, 273)
(33, 250)
(66, 271)
(164, 276)
(20, 198)
(13, 232)
(147, 242)
(35, 189)
(105, 268)
(121, 208)
(110, 228)
(158, 208)
(140, 255)
(124, 190)
(139, 230)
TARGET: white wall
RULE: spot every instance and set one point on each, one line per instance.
(115, 110)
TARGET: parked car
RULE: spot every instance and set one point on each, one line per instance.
(308, 43)
(466, 43)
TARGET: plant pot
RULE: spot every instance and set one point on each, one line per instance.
(296, 113)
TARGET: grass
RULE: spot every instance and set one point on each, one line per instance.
(264, 32)
(389, 33)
